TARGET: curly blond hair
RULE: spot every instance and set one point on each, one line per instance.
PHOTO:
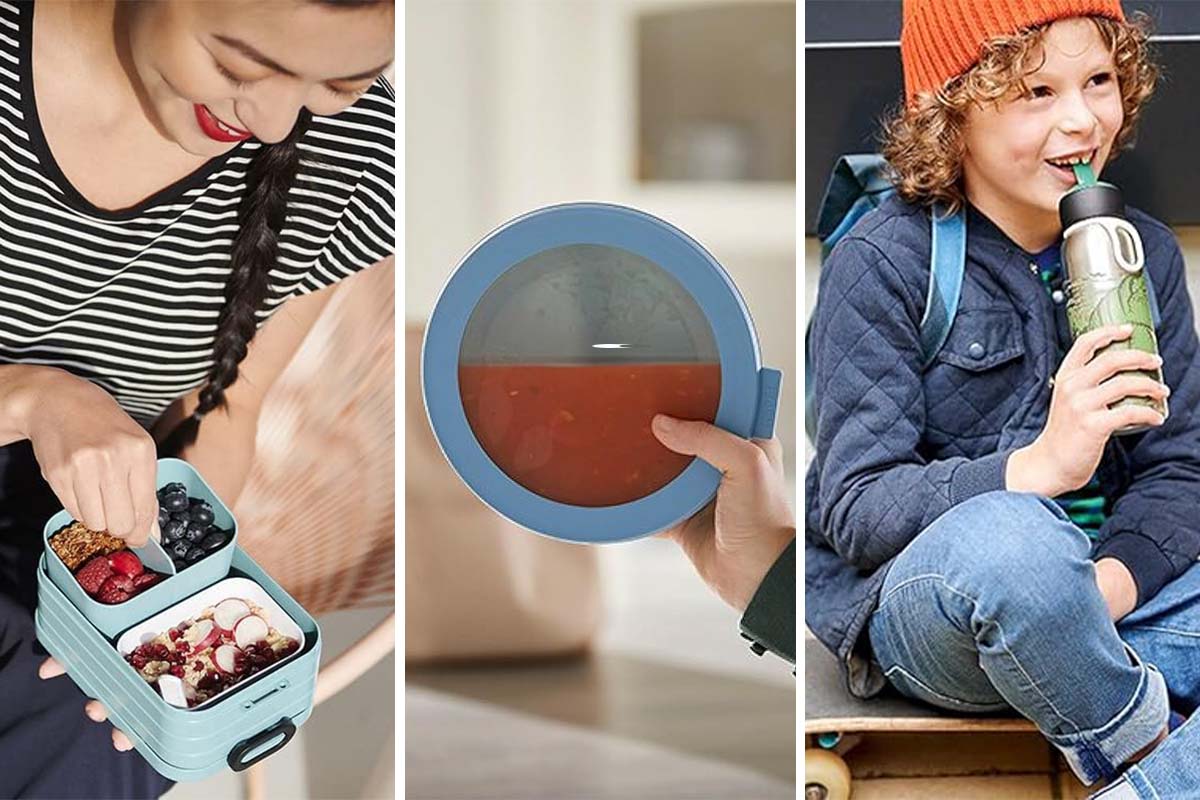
(923, 142)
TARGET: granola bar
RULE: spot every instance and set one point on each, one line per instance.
(76, 543)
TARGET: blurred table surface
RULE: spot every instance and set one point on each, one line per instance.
(670, 704)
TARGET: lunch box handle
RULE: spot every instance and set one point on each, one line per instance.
(284, 727)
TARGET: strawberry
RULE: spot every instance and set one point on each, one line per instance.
(125, 562)
(93, 574)
(116, 589)
(145, 580)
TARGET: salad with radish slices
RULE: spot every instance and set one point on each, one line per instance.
(203, 656)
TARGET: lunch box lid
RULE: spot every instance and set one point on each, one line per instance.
(561, 244)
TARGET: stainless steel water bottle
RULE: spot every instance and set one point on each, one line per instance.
(1105, 270)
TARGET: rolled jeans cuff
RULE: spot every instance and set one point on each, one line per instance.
(1098, 754)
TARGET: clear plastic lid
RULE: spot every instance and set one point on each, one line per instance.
(566, 359)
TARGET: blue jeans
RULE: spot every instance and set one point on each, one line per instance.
(995, 606)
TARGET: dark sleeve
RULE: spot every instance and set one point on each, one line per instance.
(769, 622)
(1153, 528)
(876, 491)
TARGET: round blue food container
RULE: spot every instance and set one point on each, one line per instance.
(553, 344)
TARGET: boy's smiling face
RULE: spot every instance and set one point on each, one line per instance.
(1073, 110)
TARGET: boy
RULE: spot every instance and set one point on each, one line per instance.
(935, 559)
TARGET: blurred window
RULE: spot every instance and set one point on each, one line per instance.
(717, 92)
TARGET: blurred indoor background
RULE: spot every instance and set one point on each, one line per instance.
(536, 668)
(318, 514)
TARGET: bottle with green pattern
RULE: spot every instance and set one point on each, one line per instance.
(1105, 270)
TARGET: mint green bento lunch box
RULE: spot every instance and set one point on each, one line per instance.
(240, 726)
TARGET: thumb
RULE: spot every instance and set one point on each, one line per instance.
(728, 452)
(50, 668)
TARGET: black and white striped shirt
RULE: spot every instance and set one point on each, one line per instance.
(129, 299)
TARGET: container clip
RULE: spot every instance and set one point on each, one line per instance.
(769, 381)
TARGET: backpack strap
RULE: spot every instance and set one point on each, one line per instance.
(947, 262)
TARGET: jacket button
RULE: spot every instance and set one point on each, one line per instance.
(975, 350)
(1057, 296)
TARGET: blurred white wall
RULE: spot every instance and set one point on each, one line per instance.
(516, 104)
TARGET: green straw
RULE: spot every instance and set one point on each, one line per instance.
(1084, 175)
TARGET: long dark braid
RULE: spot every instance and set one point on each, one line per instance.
(260, 217)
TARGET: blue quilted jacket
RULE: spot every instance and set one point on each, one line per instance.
(897, 447)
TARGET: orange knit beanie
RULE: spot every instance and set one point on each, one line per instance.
(941, 39)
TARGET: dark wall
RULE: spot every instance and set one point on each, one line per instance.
(849, 86)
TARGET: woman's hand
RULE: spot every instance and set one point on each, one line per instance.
(95, 711)
(99, 462)
(734, 540)
(1067, 451)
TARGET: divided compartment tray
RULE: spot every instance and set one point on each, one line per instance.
(241, 588)
(112, 619)
(241, 726)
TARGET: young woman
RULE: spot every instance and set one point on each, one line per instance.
(181, 187)
(977, 536)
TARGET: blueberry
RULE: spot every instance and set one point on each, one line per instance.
(174, 487)
(195, 532)
(215, 540)
(174, 529)
(176, 501)
(195, 554)
(202, 513)
(179, 549)
(163, 516)
(180, 564)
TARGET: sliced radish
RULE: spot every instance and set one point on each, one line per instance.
(228, 612)
(202, 635)
(249, 630)
(228, 658)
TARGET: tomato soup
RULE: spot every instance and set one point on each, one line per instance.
(580, 434)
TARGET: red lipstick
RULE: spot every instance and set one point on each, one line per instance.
(216, 129)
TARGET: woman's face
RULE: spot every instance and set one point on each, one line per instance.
(214, 73)
(1013, 167)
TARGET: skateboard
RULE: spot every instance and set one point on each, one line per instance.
(835, 721)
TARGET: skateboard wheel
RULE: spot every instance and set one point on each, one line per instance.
(828, 740)
(826, 776)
